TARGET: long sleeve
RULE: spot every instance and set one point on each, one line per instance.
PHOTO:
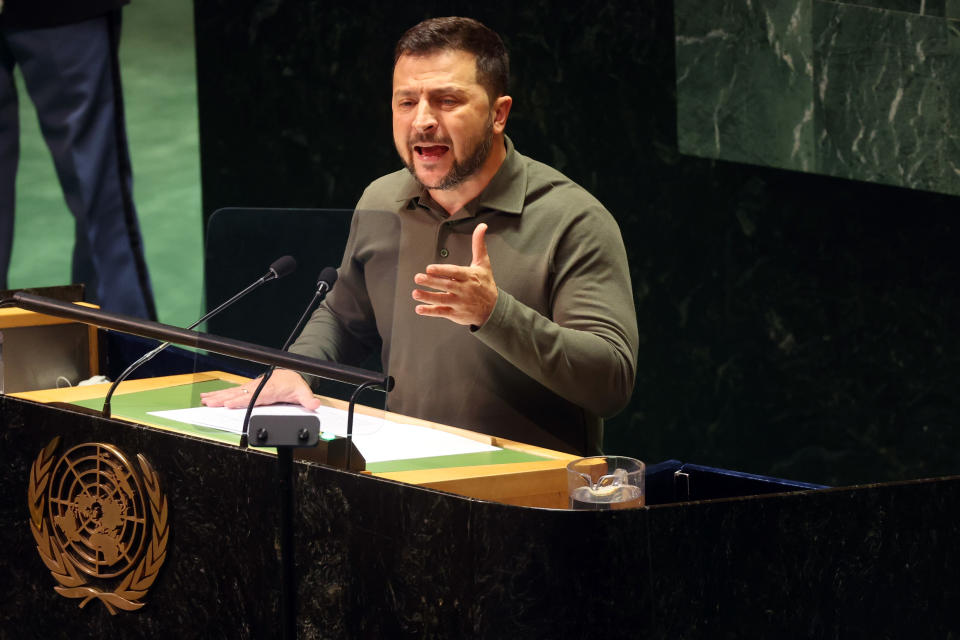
(586, 349)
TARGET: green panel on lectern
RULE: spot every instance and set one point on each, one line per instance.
(501, 456)
(136, 406)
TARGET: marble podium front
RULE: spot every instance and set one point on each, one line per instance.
(378, 558)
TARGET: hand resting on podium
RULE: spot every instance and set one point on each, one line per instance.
(283, 386)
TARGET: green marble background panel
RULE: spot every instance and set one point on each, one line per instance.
(842, 89)
(883, 111)
(919, 7)
(744, 82)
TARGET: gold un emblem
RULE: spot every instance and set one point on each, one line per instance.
(100, 527)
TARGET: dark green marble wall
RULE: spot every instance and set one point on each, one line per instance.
(863, 90)
(791, 324)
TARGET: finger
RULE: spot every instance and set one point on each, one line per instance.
(434, 310)
(446, 272)
(432, 297)
(237, 400)
(243, 401)
(223, 392)
(220, 393)
(243, 394)
(434, 281)
(480, 256)
(218, 398)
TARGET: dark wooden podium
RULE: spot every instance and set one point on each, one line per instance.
(378, 558)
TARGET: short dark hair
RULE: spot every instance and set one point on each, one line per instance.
(462, 34)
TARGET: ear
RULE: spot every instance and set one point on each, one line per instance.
(501, 110)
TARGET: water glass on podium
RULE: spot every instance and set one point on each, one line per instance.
(605, 482)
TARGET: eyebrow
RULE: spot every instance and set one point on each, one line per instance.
(438, 91)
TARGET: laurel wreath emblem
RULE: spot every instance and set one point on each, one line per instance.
(128, 594)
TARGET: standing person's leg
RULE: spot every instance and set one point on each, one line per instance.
(72, 75)
(9, 155)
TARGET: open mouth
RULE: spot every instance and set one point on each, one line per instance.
(430, 151)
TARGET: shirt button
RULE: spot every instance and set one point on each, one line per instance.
(444, 253)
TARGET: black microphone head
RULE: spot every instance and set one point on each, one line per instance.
(283, 266)
(328, 275)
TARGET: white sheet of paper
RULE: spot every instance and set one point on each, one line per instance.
(377, 439)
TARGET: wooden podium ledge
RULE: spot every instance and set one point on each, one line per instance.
(540, 483)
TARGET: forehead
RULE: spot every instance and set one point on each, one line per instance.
(443, 67)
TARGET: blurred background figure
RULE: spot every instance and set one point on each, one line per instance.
(67, 55)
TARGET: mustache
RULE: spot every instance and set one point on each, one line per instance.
(429, 138)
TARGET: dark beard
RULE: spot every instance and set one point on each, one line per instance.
(461, 171)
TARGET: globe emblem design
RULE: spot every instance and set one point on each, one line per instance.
(97, 510)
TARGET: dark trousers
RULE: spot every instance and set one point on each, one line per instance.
(73, 77)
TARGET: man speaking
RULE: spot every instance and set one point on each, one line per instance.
(511, 312)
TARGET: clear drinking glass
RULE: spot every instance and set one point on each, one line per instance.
(605, 482)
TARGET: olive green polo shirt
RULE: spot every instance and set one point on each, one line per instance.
(558, 351)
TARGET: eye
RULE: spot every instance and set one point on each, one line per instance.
(447, 102)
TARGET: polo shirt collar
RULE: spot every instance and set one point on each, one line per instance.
(506, 191)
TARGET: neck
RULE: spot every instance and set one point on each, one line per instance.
(452, 200)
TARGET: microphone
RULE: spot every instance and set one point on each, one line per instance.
(325, 282)
(282, 266)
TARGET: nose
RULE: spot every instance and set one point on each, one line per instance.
(424, 120)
